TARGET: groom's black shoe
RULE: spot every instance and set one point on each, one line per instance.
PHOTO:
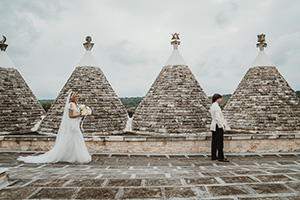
(214, 158)
(224, 160)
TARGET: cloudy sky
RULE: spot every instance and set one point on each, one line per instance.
(132, 40)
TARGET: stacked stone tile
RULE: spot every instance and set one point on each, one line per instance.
(263, 100)
(20, 110)
(175, 103)
(109, 116)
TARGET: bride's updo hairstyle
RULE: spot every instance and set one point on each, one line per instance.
(72, 97)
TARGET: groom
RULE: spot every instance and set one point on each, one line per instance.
(218, 125)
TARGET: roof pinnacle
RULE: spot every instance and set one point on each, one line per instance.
(175, 41)
(262, 42)
(88, 45)
(3, 46)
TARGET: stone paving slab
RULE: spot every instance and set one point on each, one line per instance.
(141, 176)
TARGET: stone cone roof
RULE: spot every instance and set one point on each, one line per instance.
(263, 101)
(20, 110)
(175, 104)
(108, 113)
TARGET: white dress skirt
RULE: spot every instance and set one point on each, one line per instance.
(69, 145)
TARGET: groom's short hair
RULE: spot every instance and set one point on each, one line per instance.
(215, 97)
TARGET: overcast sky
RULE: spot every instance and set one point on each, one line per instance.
(132, 40)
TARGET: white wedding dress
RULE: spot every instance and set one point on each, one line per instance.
(69, 145)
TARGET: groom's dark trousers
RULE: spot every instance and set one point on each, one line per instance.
(217, 144)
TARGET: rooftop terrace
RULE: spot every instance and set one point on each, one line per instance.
(249, 176)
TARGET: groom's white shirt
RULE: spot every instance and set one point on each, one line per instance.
(217, 118)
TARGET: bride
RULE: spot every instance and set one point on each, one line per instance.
(69, 145)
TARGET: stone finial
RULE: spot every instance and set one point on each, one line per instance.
(88, 45)
(262, 42)
(3, 46)
(175, 40)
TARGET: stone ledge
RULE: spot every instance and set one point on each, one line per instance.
(132, 138)
(135, 139)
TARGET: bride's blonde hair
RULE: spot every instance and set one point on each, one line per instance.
(72, 97)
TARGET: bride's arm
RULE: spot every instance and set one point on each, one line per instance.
(71, 114)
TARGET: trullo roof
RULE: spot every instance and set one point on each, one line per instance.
(109, 115)
(20, 110)
(175, 103)
(263, 101)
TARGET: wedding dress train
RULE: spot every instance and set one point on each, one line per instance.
(69, 145)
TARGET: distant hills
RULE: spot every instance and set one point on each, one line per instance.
(131, 103)
(46, 100)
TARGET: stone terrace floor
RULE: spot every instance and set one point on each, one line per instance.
(139, 176)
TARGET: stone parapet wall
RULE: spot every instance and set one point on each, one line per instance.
(234, 143)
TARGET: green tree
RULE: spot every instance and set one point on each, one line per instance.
(131, 103)
(46, 105)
